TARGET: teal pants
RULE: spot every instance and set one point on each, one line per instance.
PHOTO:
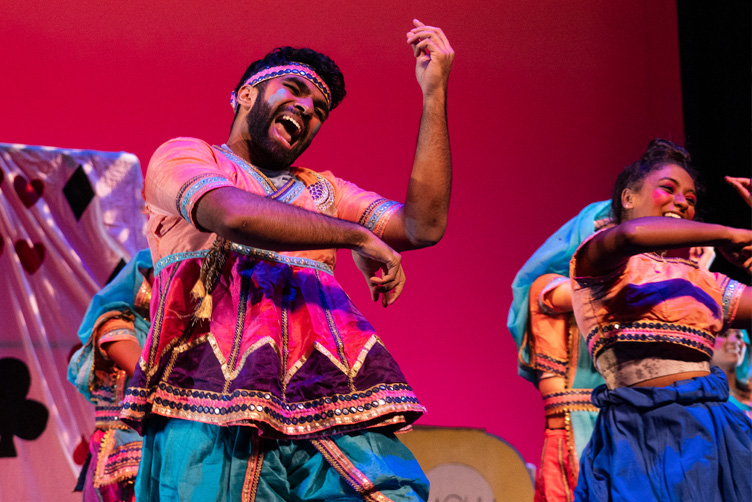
(192, 461)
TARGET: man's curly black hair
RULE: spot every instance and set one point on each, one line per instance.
(322, 64)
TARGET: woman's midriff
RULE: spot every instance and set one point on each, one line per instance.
(665, 380)
(633, 366)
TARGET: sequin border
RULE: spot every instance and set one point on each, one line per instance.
(732, 292)
(606, 336)
(174, 258)
(544, 362)
(249, 407)
(568, 400)
(262, 254)
(279, 258)
(116, 463)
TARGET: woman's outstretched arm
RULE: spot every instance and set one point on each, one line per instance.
(613, 247)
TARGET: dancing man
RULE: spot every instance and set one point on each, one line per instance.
(260, 379)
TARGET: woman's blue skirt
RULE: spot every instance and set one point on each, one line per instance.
(683, 442)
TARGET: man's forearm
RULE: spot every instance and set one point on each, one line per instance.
(427, 201)
(253, 220)
(256, 221)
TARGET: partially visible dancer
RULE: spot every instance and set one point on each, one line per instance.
(731, 354)
(566, 379)
(665, 430)
(112, 333)
(552, 353)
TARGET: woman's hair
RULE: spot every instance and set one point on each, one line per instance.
(659, 153)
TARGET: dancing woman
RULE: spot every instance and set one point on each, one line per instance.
(665, 430)
(552, 354)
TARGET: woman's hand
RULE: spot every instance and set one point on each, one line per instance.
(739, 249)
(743, 187)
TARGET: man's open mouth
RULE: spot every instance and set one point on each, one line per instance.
(288, 128)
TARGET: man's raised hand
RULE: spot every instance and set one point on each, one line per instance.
(434, 57)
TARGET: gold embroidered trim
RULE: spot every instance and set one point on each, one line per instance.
(106, 447)
(347, 470)
(563, 470)
(143, 299)
(150, 368)
(363, 354)
(253, 473)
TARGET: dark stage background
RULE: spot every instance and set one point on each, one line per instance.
(716, 65)
(549, 100)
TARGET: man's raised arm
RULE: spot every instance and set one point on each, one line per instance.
(423, 219)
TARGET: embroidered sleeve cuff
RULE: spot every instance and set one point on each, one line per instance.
(115, 330)
(118, 335)
(194, 189)
(568, 400)
(732, 293)
(377, 214)
(548, 364)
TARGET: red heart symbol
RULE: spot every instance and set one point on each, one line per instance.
(81, 451)
(31, 257)
(28, 192)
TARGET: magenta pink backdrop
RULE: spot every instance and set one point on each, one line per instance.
(549, 100)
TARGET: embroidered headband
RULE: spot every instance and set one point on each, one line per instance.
(293, 68)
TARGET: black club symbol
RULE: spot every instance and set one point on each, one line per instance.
(19, 416)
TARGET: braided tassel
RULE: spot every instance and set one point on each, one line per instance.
(211, 269)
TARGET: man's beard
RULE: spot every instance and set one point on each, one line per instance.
(267, 153)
